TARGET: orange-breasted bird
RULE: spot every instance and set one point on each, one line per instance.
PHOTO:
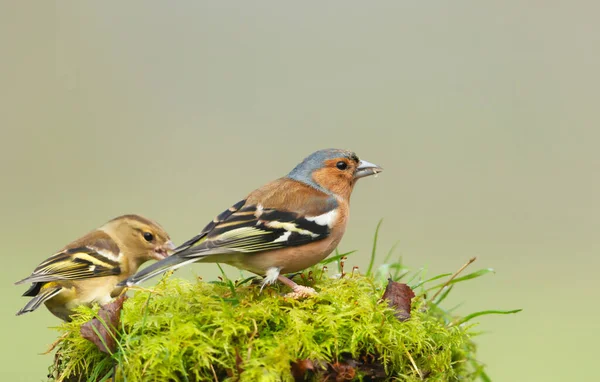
(285, 226)
(89, 269)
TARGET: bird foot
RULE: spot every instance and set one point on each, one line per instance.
(300, 291)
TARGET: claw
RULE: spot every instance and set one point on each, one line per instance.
(300, 291)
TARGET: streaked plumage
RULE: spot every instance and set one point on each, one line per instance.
(285, 226)
(89, 269)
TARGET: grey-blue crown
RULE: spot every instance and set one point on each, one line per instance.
(303, 171)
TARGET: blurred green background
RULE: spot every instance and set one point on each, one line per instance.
(484, 116)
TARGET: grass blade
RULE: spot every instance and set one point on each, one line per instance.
(470, 276)
(483, 313)
(227, 281)
(479, 372)
(337, 257)
(418, 273)
(430, 280)
(145, 314)
(399, 271)
(244, 281)
(443, 295)
(484, 377)
(374, 250)
(390, 252)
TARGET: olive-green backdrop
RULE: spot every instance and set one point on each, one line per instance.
(484, 116)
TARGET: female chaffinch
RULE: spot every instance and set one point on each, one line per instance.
(285, 226)
(89, 269)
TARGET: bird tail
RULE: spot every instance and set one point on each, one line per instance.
(34, 290)
(45, 295)
(25, 280)
(170, 263)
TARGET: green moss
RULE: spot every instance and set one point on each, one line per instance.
(196, 331)
(183, 331)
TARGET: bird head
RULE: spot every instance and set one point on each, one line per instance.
(142, 238)
(333, 170)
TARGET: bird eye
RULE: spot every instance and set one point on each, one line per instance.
(148, 236)
(341, 165)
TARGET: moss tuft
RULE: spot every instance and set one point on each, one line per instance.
(225, 330)
(185, 331)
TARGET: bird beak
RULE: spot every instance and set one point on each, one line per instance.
(165, 251)
(365, 169)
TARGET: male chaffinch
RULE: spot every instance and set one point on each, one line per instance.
(285, 226)
(88, 269)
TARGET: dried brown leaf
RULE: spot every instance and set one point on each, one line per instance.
(105, 326)
(238, 363)
(301, 367)
(341, 372)
(399, 297)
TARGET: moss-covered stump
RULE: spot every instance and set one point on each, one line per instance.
(183, 331)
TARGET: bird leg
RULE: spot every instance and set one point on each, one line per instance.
(299, 291)
(270, 277)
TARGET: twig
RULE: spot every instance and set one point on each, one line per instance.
(55, 343)
(251, 338)
(414, 364)
(471, 260)
(323, 271)
(214, 372)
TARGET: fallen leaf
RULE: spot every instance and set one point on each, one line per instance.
(399, 297)
(342, 372)
(238, 363)
(301, 367)
(102, 331)
(345, 369)
(367, 366)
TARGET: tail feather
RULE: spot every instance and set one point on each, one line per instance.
(34, 303)
(25, 280)
(33, 290)
(170, 263)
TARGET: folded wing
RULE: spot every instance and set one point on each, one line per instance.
(247, 228)
(74, 264)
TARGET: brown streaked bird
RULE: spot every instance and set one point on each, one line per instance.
(285, 226)
(89, 269)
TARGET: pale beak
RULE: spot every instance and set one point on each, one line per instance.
(165, 251)
(365, 169)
